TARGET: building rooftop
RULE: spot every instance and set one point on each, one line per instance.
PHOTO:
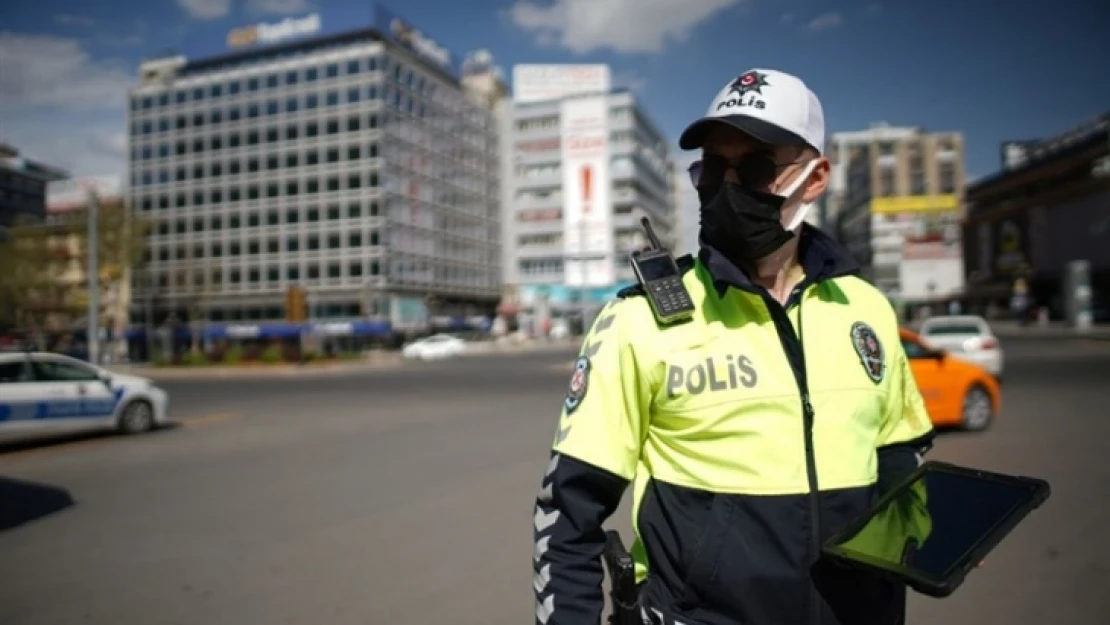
(1036, 153)
(11, 160)
(303, 46)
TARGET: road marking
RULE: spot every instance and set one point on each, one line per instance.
(210, 419)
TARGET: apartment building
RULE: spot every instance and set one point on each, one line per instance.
(572, 220)
(894, 187)
(350, 166)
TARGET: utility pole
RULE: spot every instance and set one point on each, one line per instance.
(93, 273)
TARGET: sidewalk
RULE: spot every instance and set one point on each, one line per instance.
(375, 360)
(1052, 330)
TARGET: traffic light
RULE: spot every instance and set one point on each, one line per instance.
(295, 308)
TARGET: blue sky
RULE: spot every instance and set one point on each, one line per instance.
(993, 69)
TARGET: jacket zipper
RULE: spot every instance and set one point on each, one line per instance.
(795, 354)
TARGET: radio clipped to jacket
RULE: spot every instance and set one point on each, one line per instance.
(658, 274)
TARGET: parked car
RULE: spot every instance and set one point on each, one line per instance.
(968, 337)
(957, 392)
(434, 347)
(40, 390)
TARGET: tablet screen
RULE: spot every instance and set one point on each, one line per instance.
(936, 520)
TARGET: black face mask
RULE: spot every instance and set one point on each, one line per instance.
(743, 225)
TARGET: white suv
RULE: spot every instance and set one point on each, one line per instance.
(40, 390)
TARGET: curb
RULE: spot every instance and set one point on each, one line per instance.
(388, 360)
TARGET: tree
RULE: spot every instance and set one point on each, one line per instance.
(31, 263)
(121, 243)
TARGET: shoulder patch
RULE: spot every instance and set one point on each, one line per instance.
(870, 349)
(579, 384)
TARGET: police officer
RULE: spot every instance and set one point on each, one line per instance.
(755, 430)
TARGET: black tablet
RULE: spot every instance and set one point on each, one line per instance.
(937, 525)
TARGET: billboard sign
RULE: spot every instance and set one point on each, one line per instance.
(587, 208)
(915, 204)
(540, 83)
(403, 33)
(263, 33)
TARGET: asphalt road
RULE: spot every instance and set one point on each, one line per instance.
(405, 497)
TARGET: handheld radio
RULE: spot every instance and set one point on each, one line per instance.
(661, 280)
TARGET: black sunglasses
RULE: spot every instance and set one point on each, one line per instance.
(755, 171)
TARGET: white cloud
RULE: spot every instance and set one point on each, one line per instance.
(629, 26)
(874, 8)
(787, 18)
(46, 71)
(80, 145)
(279, 7)
(205, 9)
(825, 21)
(61, 106)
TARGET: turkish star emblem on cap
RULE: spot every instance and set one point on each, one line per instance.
(749, 82)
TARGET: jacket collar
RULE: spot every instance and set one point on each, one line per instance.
(822, 259)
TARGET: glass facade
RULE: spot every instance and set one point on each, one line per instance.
(354, 172)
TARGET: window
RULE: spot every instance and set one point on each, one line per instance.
(353, 124)
(12, 372)
(947, 174)
(887, 183)
(915, 351)
(291, 132)
(292, 216)
(291, 77)
(333, 98)
(354, 211)
(333, 70)
(291, 160)
(354, 239)
(311, 101)
(333, 155)
(353, 95)
(353, 153)
(352, 66)
(272, 81)
(311, 74)
(58, 371)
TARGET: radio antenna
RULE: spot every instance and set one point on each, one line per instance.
(650, 233)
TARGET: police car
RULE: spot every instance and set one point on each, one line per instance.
(42, 390)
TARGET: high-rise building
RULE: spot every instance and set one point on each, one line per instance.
(584, 165)
(23, 187)
(893, 190)
(351, 167)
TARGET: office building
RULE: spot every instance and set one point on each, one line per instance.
(348, 166)
(896, 194)
(23, 188)
(584, 165)
(1039, 223)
